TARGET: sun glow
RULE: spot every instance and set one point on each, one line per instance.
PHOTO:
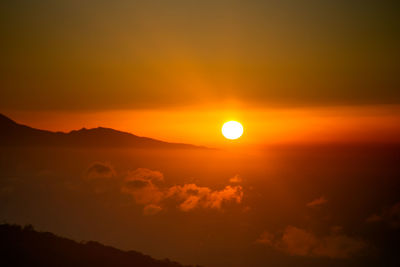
(232, 130)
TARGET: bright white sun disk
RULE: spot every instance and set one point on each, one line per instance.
(232, 130)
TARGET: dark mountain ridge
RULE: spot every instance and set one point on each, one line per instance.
(27, 247)
(14, 134)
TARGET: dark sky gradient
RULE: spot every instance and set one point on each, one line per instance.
(101, 55)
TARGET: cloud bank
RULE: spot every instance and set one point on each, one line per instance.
(142, 186)
(147, 187)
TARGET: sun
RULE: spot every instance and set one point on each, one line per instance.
(232, 130)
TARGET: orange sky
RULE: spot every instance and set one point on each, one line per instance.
(202, 124)
(177, 70)
(76, 56)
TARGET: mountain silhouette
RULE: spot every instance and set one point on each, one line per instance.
(14, 134)
(23, 246)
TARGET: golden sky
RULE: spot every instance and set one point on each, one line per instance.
(176, 70)
(202, 125)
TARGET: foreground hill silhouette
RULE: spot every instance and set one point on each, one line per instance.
(14, 134)
(27, 247)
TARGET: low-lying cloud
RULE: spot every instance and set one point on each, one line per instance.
(301, 242)
(187, 197)
(141, 185)
(236, 179)
(192, 196)
(390, 216)
(151, 209)
(145, 175)
(147, 187)
(317, 202)
(100, 170)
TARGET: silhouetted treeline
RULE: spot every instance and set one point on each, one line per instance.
(23, 246)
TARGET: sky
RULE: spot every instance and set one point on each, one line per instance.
(246, 58)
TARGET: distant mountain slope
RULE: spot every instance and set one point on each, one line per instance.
(12, 133)
(27, 247)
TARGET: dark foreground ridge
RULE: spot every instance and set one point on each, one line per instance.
(14, 134)
(27, 247)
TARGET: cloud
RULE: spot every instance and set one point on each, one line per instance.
(141, 185)
(296, 241)
(137, 184)
(317, 202)
(300, 242)
(192, 196)
(151, 209)
(235, 179)
(100, 170)
(266, 238)
(99, 176)
(338, 246)
(146, 174)
(146, 187)
(390, 215)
